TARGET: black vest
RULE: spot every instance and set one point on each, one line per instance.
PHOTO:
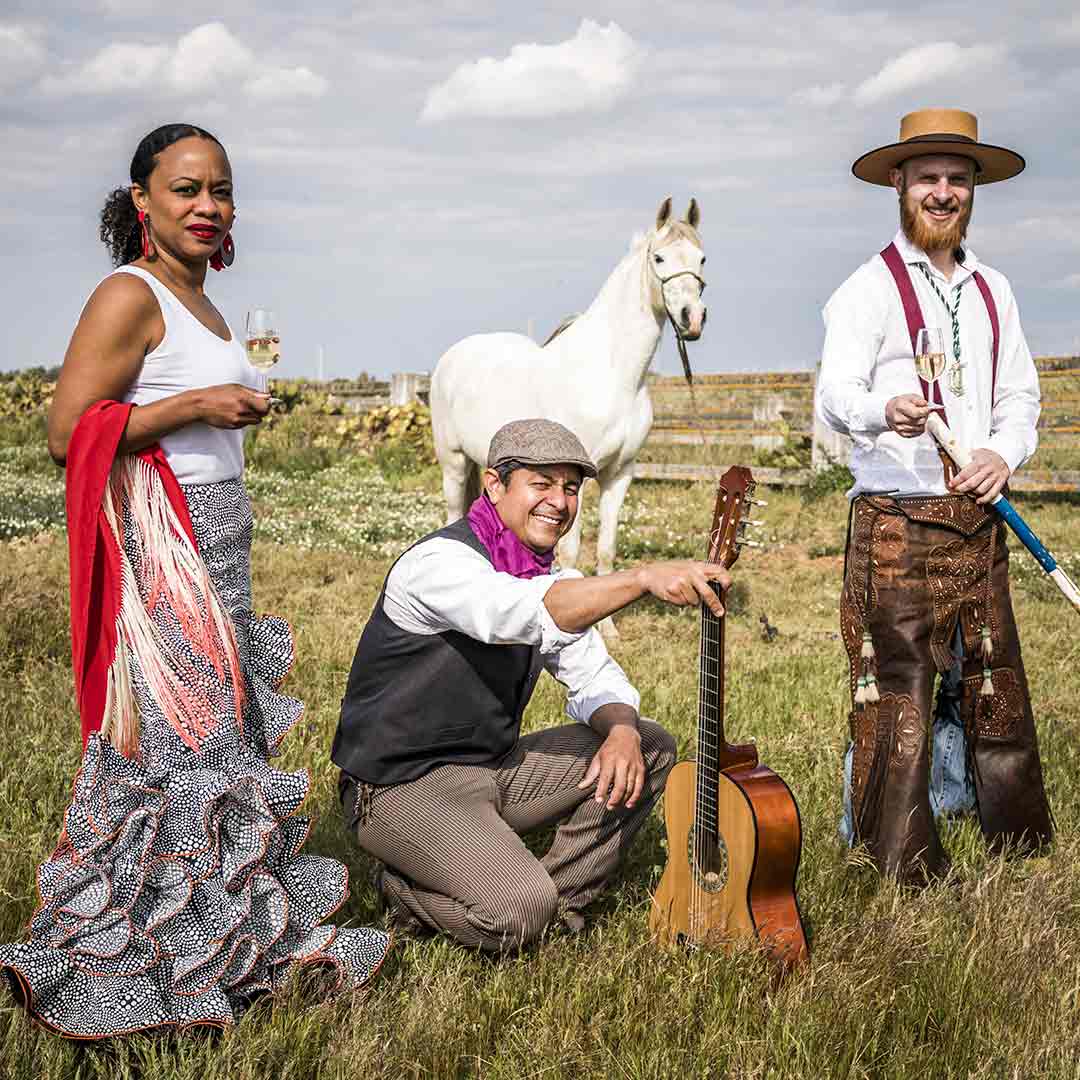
(415, 701)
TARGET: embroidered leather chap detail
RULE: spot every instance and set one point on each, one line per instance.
(863, 727)
(889, 541)
(973, 617)
(997, 717)
(956, 573)
(851, 622)
(871, 734)
(956, 512)
(862, 531)
(855, 602)
(907, 727)
(886, 736)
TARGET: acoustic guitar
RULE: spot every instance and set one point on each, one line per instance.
(733, 830)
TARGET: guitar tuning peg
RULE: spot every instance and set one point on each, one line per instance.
(758, 502)
(755, 523)
(751, 543)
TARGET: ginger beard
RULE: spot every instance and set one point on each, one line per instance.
(925, 233)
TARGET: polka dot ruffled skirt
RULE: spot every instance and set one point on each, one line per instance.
(178, 892)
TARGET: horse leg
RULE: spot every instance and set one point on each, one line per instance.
(456, 469)
(613, 490)
(570, 544)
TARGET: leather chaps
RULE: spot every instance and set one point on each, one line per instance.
(915, 569)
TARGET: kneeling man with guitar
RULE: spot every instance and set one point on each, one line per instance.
(437, 782)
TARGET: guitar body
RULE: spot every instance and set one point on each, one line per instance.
(743, 886)
(733, 829)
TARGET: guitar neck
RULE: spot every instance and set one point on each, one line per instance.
(715, 753)
(711, 741)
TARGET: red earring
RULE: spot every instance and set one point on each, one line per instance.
(225, 254)
(148, 249)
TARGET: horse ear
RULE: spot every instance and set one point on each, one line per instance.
(693, 214)
(663, 214)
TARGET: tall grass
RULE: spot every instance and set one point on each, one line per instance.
(978, 976)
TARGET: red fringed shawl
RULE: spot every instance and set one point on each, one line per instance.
(97, 574)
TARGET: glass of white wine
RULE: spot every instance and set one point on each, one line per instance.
(930, 354)
(263, 342)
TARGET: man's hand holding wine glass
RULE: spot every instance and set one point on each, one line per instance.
(906, 415)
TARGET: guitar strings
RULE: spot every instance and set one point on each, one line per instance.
(710, 721)
(706, 811)
(696, 888)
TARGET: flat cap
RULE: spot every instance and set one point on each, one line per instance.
(538, 442)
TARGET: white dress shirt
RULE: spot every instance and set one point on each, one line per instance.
(443, 584)
(867, 360)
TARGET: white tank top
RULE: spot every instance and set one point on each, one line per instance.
(191, 357)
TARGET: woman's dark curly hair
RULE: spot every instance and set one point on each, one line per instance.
(120, 230)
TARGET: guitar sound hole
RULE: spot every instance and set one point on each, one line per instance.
(708, 859)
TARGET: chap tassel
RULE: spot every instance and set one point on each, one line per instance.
(866, 692)
(987, 689)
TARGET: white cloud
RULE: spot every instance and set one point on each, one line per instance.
(21, 55)
(206, 60)
(116, 68)
(207, 56)
(820, 97)
(1055, 230)
(588, 72)
(937, 62)
(285, 84)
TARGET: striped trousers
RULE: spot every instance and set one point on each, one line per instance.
(451, 842)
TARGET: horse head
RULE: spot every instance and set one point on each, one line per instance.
(674, 262)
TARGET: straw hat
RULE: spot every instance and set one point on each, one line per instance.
(939, 131)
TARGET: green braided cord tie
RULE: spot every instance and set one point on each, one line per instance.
(954, 311)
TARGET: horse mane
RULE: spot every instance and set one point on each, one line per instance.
(671, 232)
(680, 230)
(560, 328)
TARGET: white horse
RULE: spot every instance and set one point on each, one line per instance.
(589, 375)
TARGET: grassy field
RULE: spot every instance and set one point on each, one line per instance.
(976, 977)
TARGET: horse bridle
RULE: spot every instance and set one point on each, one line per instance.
(679, 340)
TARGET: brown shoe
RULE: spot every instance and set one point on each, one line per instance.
(396, 916)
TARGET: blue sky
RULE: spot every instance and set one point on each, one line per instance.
(408, 173)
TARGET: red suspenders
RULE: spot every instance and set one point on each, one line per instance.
(991, 310)
(913, 314)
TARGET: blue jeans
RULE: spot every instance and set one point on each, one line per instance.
(951, 789)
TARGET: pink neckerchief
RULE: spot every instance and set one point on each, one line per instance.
(508, 554)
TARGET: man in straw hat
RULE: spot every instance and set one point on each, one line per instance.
(926, 569)
(437, 782)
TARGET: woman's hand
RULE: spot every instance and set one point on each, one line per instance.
(231, 405)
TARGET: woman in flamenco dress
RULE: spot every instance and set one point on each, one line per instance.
(178, 893)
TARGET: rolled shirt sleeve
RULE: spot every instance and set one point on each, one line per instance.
(591, 676)
(853, 337)
(443, 584)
